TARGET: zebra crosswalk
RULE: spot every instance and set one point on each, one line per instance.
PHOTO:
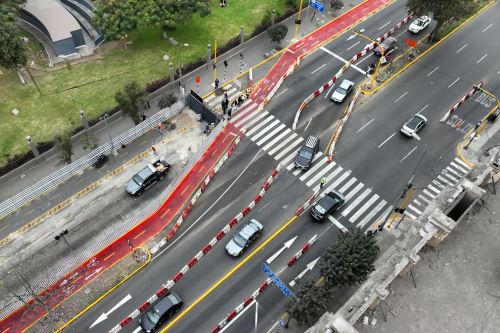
(362, 208)
(449, 176)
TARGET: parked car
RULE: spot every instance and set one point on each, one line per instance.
(147, 177)
(329, 203)
(388, 46)
(306, 153)
(160, 312)
(342, 91)
(245, 236)
(419, 24)
(413, 125)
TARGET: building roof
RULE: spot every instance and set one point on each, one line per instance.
(56, 19)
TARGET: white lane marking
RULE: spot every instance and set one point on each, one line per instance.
(350, 47)
(356, 202)
(317, 69)
(372, 213)
(262, 132)
(343, 60)
(270, 135)
(489, 26)
(333, 85)
(354, 191)
(477, 62)
(328, 178)
(237, 316)
(181, 236)
(460, 49)
(435, 69)
(308, 123)
(453, 83)
(337, 224)
(422, 109)
(411, 151)
(368, 123)
(282, 143)
(385, 25)
(348, 184)
(432, 188)
(458, 167)
(267, 204)
(313, 169)
(290, 147)
(319, 174)
(380, 145)
(429, 194)
(281, 93)
(462, 163)
(400, 97)
(364, 58)
(363, 208)
(419, 212)
(258, 126)
(137, 330)
(276, 139)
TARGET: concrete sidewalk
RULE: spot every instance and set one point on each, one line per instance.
(253, 51)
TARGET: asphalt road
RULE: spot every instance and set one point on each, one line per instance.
(376, 158)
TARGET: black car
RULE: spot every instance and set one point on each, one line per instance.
(160, 312)
(387, 47)
(306, 153)
(147, 177)
(328, 204)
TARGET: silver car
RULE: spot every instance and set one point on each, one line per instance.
(413, 125)
(342, 91)
(245, 236)
(419, 24)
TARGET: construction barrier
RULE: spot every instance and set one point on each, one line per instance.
(462, 100)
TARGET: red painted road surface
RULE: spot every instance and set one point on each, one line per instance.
(23, 318)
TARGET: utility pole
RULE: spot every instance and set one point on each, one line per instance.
(113, 149)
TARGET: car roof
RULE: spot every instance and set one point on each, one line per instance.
(145, 173)
(311, 142)
(346, 83)
(166, 303)
(248, 230)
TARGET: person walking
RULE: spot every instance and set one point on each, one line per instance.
(312, 18)
(154, 151)
(216, 84)
(322, 182)
(229, 113)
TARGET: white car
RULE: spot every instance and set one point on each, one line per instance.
(419, 24)
(342, 91)
(413, 125)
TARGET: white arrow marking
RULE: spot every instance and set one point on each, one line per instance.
(104, 316)
(285, 246)
(309, 267)
(350, 37)
(91, 275)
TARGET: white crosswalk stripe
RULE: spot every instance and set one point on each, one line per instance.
(282, 144)
(354, 191)
(293, 145)
(424, 198)
(337, 224)
(261, 123)
(328, 179)
(270, 135)
(432, 188)
(348, 184)
(454, 171)
(276, 139)
(356, 202)
(340, 180)
(445, 181)
(244, 124)
(371, 214)
(450, 177)
(319, 174)
(265, 130)
(413, 217)
(414, 209)
(429, 194)
(363, 208)
(462, 163)
(313, 169)
(244, 111)
(415, 201)
(438, 184)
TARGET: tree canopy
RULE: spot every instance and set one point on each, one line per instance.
(276, 33)
(12, 51)
(117, 18)
(310, 303)
(129, 100)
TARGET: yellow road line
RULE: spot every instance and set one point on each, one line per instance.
(162, 215)
(229, 274)
(109, 256)
(139, 234)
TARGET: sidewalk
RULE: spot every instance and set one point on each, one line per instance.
(253, 52)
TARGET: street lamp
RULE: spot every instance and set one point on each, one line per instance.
(477, 129)
(113, 149)
(62, 235)
(382, 55)
(180, 61)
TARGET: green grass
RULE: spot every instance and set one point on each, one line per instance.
(92, 85)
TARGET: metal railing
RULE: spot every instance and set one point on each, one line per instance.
(55, 179)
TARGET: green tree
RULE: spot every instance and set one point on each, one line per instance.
(12, 51)
(440, 10)
(310, 303)
(129, 100)
(277, 33)
(350, 260)
(63, 145)
(336, 5)
(116, 18)
(167, 100)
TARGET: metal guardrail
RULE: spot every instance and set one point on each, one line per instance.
(55, 179)
(65, 266)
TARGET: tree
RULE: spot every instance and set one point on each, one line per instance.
(440, 10)
(167, 100)
(116, 18)
(129, 100)
(277, 33)
(170, 13)
(62, 143)
(310, 303)
(12, 51)
(336, 5)
(349, 260)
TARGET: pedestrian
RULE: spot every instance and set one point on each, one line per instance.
(216, 84)
(229, 114)
(160, 126)
(314, 15)
(207, 129)
(143, 117)
(322, 182)
(154, 151)
(148, 105)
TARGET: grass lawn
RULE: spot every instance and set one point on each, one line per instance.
(91, 85)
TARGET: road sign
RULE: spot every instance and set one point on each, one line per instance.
(411, 43)
(276, 280)
(317, 5)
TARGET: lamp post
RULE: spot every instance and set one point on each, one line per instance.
(113, 149)
(476, 129)
(62, 235)
(382, 56)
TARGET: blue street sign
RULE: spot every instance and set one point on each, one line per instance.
(276, 280)
(317, 5)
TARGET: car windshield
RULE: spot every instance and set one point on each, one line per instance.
(413, 123)
(240, 241)
(153, 316)
(341, 90)
(420, 22)
(305, 153)
(138, 180)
